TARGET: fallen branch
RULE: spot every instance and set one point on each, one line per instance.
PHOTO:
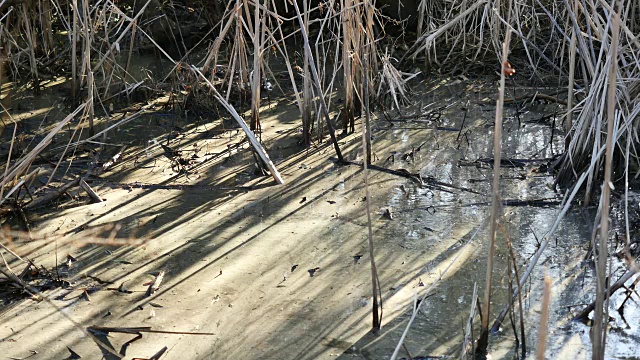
(92, 194)
(534, 97)
(516, 202)
(45, 199)
(139, 330)
(423, 181)
(252, 138)
(179, 187)
(583, 316)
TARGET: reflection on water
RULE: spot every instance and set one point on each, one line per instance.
(436, 221)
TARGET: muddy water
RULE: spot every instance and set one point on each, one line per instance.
(324, 316)
(439, 224)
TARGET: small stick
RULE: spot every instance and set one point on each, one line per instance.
(137, 330)
(515, 269)
(407, 351)
(466, 110)
(92, 194)
(155, 284)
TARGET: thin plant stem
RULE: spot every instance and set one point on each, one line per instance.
(543, 331)
(495, 200)
(365, 151)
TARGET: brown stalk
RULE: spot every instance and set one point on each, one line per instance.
(366, 150)
(543, 331)
(602, 296)
(348, 34)
(74, 51)
(88, 35)
(31, 38)
(483, 341)
(258, 44)
(128, 65)
(570, 86)
(307, 104)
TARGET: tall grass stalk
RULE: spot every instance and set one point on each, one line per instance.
(570, 87)
(211, 61)
(349, 23)
(602, 296)
(32, 45)
(88, 36)
(495, 199)
(252, 139)
(44, 7)
(74, 51)
(366, 151)
(307, 103)
(256, 74)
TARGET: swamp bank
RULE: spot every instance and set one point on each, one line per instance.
(338, 179)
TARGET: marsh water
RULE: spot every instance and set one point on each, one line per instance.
(451, 143)
(434, 232)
